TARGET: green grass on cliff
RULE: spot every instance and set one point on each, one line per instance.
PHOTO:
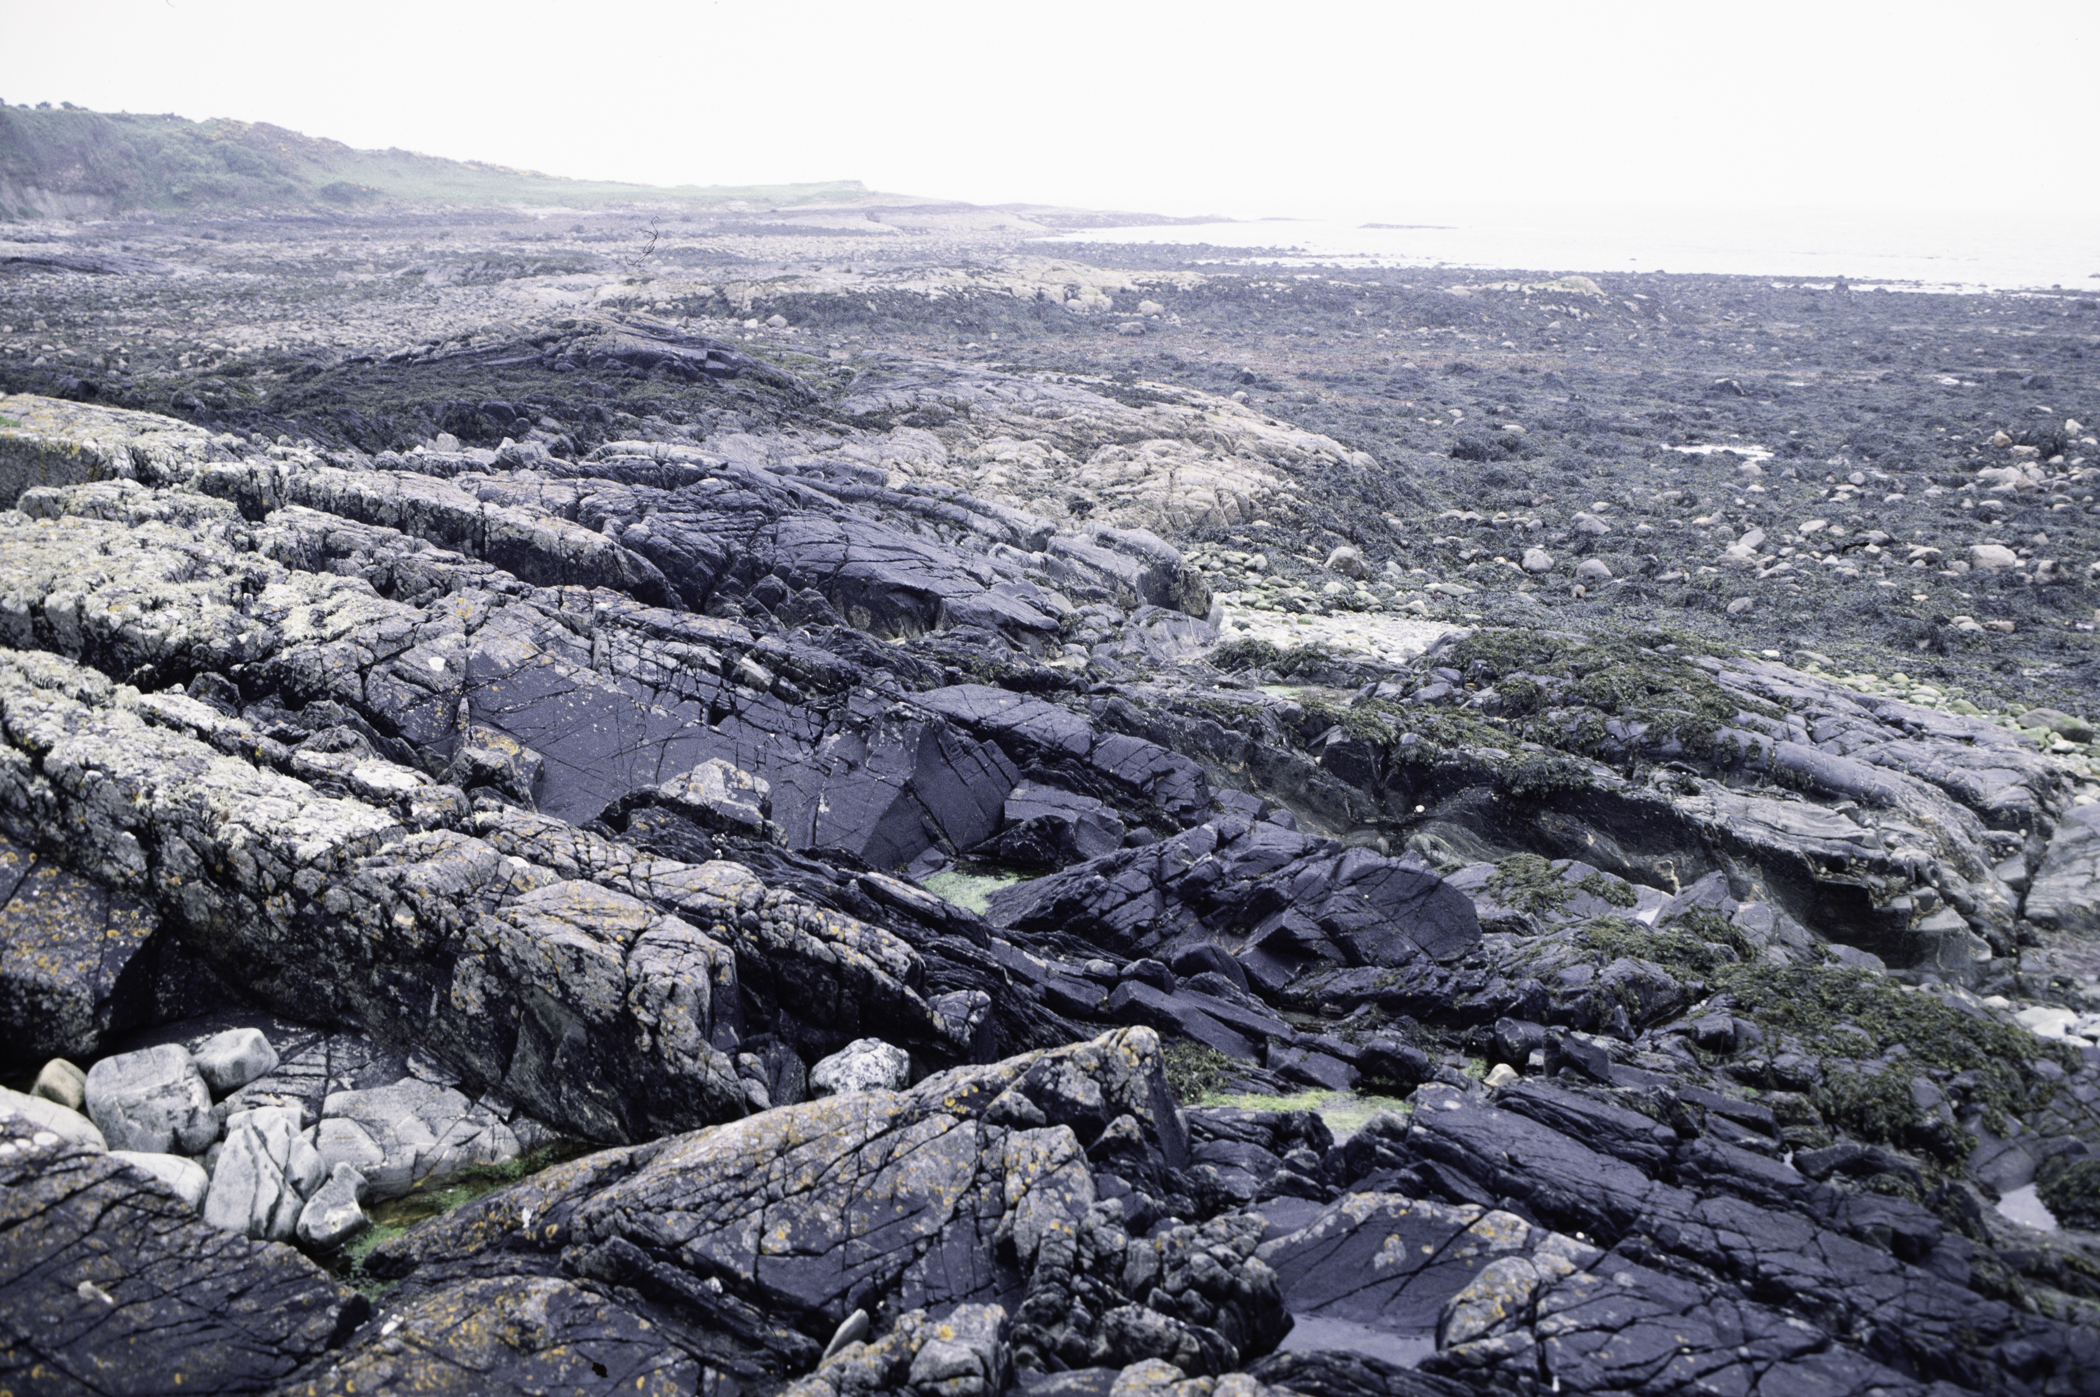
(121, 162)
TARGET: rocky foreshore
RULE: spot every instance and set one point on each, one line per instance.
(920, 880)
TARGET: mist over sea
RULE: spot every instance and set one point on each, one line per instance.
(1996, 248)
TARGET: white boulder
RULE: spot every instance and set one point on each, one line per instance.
(185, 1176)
(866, 1064)
(153, 1101)
(229, 1061)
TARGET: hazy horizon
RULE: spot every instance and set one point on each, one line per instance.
(1398, 110)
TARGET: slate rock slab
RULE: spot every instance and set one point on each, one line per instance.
(511, 1335)
(77, 962)
(109, 1284)
(1295, 901)
(2064, 893)
(1394, 1262)
(1049, 828)
(975, 1187)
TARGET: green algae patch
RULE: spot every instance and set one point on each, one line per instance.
(1863, 1015)
(392, 1218)
(1309, 1100)
(1345, 1112)
(1559, 691)
(1348, 1112)
(1529, 884)
(1686, 947)
(971, 891)
(1875, 1039)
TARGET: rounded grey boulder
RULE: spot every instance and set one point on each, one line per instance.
(49, 1115)
(229, 1061)
(62, 1082)
(252, 1191)
(333, 1214)
(185, 1176)
(1348, 561)
(153, 1101)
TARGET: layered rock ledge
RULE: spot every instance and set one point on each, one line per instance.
(775, 921)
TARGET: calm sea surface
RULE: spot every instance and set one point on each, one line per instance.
(1969, 250)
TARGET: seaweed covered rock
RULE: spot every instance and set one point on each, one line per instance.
(2070, 1187)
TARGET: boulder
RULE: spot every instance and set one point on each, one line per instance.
(866, 1064)
(229, 1061)
(964, 1354)
(409, 1135)
(1348, 561)
(1049, 828)
(251, 1191)
(717, 796)
(61, 1082)
(1537, 560)
(2059, 722)
(151, 1100)
(186, 1177)
(1992, 557)
(41, 1114)
(333, 1215)
(486, 757)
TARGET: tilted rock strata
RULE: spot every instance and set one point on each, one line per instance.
(591, 794)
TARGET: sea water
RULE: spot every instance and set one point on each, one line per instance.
(1962, 249)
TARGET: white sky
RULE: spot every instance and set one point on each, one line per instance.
(1312, 108)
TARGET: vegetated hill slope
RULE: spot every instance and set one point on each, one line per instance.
(64, 162)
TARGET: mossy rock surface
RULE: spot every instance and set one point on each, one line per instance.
(971, 891)
(396, 1216)
(1196, 1072)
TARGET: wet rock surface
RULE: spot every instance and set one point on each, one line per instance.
(900, 872)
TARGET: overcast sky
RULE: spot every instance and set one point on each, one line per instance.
(1242, 109)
